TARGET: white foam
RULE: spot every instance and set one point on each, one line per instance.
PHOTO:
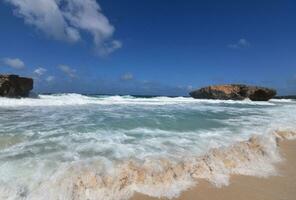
(109, 143)
(282, 100)
(77, 99)
(154, 177)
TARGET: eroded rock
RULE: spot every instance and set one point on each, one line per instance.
(234, 92)
(15, 86)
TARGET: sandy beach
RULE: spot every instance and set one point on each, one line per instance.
(280, 187)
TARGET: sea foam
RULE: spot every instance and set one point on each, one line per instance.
(156, 177)
(72, 146)
(78, 99)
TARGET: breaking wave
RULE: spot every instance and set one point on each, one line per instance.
(78, 99)
(72, 146)
(155, 177)
(282, 100)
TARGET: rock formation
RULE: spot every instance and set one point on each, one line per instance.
(234, 92)
(15, 86)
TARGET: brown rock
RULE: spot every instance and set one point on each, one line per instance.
(15, 86)
(234, 92)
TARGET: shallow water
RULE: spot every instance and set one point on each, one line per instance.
(45, 142)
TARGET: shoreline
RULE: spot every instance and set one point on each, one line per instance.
(281, 186)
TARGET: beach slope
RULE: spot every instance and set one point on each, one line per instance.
(280, 187)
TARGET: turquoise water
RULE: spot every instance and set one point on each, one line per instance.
(43, 137)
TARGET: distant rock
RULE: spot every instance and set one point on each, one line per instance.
(15, 86)
(234, 92)
(285, 97)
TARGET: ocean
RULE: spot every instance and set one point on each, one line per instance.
(73, 146)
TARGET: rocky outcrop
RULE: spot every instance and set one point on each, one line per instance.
(15, 86)
(234, 92)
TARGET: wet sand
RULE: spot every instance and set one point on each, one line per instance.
(280, 187)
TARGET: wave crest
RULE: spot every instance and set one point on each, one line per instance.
(161, 177)
(72, 99)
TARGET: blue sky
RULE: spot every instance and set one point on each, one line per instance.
(148, 47)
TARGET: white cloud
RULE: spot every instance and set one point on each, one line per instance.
(241, 43)
(50, 78)
(110, 47)
(127, 77)
(66, 19)
(189, 87)
(15, 63)
(68, 71)
(40, 71)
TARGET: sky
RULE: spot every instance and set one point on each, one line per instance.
(149, 47)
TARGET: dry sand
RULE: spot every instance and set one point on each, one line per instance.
(281, 187)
